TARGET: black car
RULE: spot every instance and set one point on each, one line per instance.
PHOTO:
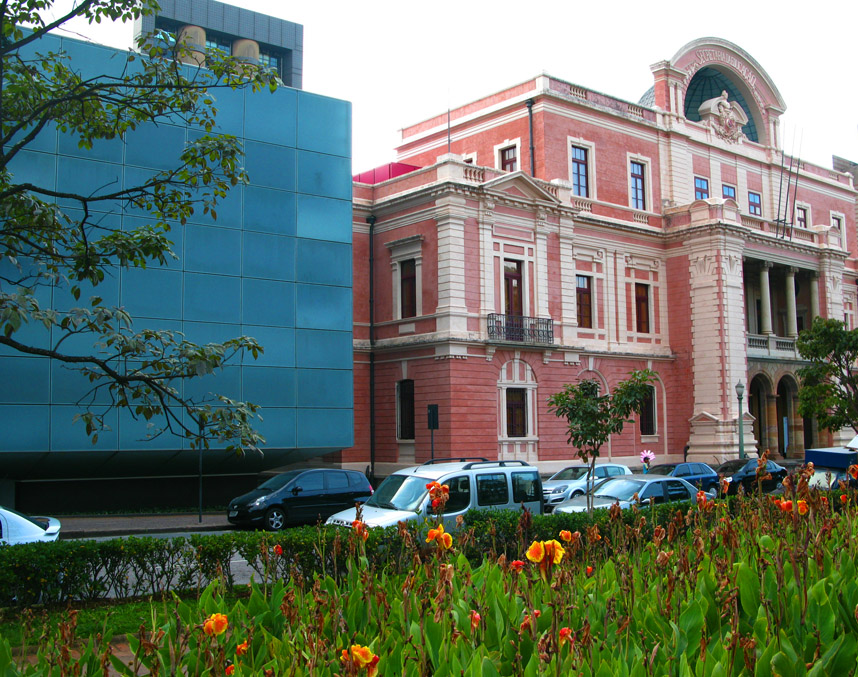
(698, 474)
(743, 472)
(299, 497)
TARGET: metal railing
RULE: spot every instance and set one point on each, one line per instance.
(520, 329)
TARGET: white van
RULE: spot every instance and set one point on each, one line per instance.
(479, 484)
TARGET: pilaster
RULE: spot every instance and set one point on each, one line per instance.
(452, 312)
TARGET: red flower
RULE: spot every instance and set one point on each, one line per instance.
(516, 565)
(786, 506)
(566, 535)
(802, 507)
(844, 498)
(241, 649)
(229, 670)
(475, 619)
(278, 550)
(589, 571)
(853, 472)
(360, 529)
(565, 636)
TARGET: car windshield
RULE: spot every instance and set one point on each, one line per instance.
(43, 525)
(400, 492)
(567, 474)
(730, 467)
(619, 489)
(279, 481)
(664, 469)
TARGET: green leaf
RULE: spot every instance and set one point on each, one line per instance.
(691, 624)
(749, 590)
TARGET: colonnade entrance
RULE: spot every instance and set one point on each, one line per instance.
(778, 426)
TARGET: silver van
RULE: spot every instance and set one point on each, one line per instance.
(474, 484)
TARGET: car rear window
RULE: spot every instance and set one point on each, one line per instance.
(356, 479)
(460, 494)
(525, 487)
(492, 489)
(337, 480)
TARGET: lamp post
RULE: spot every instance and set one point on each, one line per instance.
(740, 391)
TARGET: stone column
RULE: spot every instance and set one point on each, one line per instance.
(765, 298)
(814, 296)
(792, 324)
(771, 432)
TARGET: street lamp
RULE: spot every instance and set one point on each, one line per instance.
(740, 391)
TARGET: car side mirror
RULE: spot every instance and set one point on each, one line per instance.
(296, 490)
(646, 501)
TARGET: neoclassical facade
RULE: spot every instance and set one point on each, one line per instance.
(549, 233)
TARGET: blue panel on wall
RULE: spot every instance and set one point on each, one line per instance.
(323, 262)
(86, 177)
(325, 428)
(26, 380)
(227, 211)
(210, 332)
(270, 116)
(25, 427)
(268, 256)
(319, 307)
(277, 342)
(140, 433)
(70, 435)
(37, 168)
(153, 292)
(175, 236)
(226, 381)
(230, 110)
(271, 166)
(269, 386)
(212, 298)
(324, 125)
(32, 334)
(325, 175)
(323, 349)
(278, 428)
(155, 146)
(324, 388)
(69, 386)
(269, 211)
(107, 290)
(109, 150)
(45, 140)
(324, 218)
(212, 250)
(266, 302)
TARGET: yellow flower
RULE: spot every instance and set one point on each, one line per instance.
(536, 552)
(802, 507)
(215, 624)
(566, 535)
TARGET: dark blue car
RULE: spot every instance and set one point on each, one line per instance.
(698, 474)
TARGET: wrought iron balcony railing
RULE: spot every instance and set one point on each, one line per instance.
(520, 329)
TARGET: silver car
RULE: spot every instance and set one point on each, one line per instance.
(18, 528)
(649, 489)
(573, 481)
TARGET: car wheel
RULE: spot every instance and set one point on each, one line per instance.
(575, 494)
(275, 519)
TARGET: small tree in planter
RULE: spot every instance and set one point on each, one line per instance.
(594, 417)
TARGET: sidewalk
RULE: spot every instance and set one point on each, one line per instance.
(136, 525)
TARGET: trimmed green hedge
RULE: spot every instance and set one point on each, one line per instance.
(131, 567)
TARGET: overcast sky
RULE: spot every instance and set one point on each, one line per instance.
(400, 62)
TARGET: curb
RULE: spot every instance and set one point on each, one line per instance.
(113, 533)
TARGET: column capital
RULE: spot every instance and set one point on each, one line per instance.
(766, 264)
(792, 270)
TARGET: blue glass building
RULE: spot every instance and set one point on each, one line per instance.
(275, 265)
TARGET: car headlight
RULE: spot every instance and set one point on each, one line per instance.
(259, 501)
(559, 490)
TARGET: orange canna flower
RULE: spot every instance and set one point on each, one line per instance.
(565, 636)
(802, 507)
(516, 565)
(553, 551)
(215, 624)
(589, 571)
(360, 529)
(278, 550)
(525, 624)
(443, 539)
(361, 657)
(823, 500)
(566, 535)
(229, 670)
(786, 506)
(241, 649)
(475, 619)
(446, 541)
(844, 498)
(853, 472)
(536, 552)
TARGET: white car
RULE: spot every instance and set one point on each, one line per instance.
(641, 489)
(575, 481)
(16, 528)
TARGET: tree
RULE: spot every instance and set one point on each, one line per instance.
(593, 418)
(829, 387)
(44, 244)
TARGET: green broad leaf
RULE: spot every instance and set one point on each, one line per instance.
(434, 634)
(691, 624)
(763, 667)
(840, 657)
(605, 670)
(820, 612)
(749, 590)
(767, 543)
(718, 670)
(684, 668)
(783, 666)
(486, 669)
(532, 667)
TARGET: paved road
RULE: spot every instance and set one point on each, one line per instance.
(141, 525)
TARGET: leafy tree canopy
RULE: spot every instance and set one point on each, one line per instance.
(54, 238)
(829, 387)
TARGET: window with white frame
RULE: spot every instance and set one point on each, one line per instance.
(838, 221)
(638, 183)
(406, 268)
(801, 216)
(584, 300)
(507, 155)
(647, 417)
(642, 308)
(580, 171)
(517, 401)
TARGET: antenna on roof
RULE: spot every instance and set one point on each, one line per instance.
(795, 184)
(780, 189)
(782, 220)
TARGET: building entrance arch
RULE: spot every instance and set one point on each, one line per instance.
(790, 426)
(758, 406)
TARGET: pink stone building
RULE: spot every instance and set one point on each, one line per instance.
(548, 233)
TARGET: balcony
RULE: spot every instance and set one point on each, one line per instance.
(520, 329)
(778, 347)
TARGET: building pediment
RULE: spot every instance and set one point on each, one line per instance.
(520, 185)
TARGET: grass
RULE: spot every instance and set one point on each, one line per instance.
(93, 618)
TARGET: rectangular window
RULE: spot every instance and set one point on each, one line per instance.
(509, 159)
(408, 288)
(492, 489)
(459, 498)
(516, 412)
(642, 307)
(580, 171)
(801, 217)
(755, 204)
(701, 188)
(219, 42)
(647, 415)
(525, 487)
(638, 187)
(584, 298)
(728, 192)
(405, 409)
(837, 222)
